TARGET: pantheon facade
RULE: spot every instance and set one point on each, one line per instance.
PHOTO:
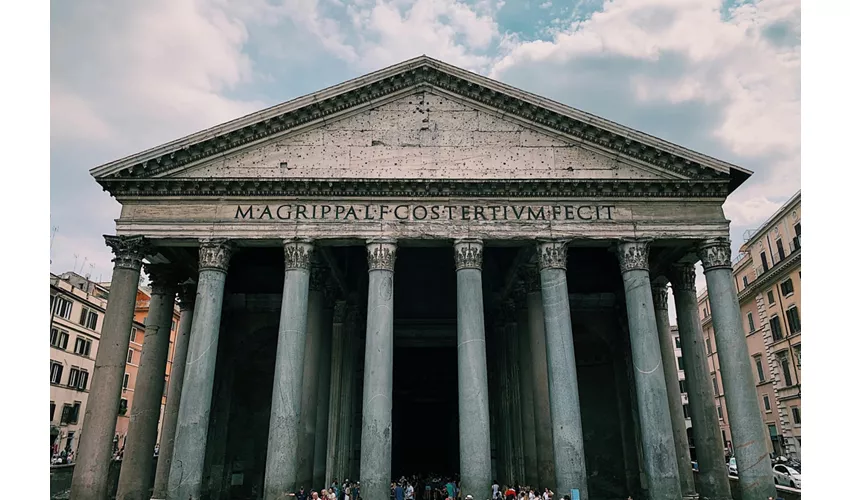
(421, 270)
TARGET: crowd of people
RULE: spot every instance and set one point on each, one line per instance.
(348, 490)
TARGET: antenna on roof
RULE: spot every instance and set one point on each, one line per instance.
(84, 264)
(76, 256)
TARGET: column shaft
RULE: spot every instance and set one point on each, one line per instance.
(281, 463)
(185, 480)
(323, 403)
(475, 471)
(175, 387)
(654, 411)
(377, 430)
(335, 407)
(515, 404)
(713, 476)
(754, 469)
(674, 395)
(529, 438)
(540, 374)
(94, 454)
(564, 405)
(310, 379)
(134, 482)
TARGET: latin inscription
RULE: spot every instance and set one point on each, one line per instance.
(414, 212)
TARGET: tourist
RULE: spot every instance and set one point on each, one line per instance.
(495, 489)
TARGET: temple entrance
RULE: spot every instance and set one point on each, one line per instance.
(425, 376)
(425, 411)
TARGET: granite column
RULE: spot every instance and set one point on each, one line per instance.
(713, 480)
(755, 473)
(564, 406)
(475, 471)
(656, 430)
(310, 378)
(526, 393)
(186, 296)
(377, 430)
(540, 382)
(134, 482)
(94, 454)
(674, 394)
(185, 480)
(329, 322)
(281, 462)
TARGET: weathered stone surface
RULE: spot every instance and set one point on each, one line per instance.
(413, 138)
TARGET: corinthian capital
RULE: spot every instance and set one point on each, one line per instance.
(163, 278)
(214, 254)
(297, 255)
(552, 255)
(129, 251)
(381, 255)
(716, 254)
(186, 294)
(469, 254)
(633, 255)
(683, 277)
(659, 295)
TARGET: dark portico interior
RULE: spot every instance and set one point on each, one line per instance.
(425, 375)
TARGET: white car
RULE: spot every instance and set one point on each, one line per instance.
(732, 467)
(786, 476)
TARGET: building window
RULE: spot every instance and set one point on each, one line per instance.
(776, 328)
(786, 370)
(66, 414)
(84, 380)
(780, 248)
(62, 308)
(173, 325)
(55, 372)
(678, 343)
(122, 407)
(88, 318)
(708, 345)
(720, 412)
(786, 287)
(52, 410)
(686, 410)
(759, 369)
(797, 354)
(746, 282)
(714, 383)
(130, 356)
(133, 332)
(59, 338)
(75, 414)
(126, 380)
(751, 322)
(679, 361)
(796, 240)
(766, 401)
(795, 414)
(704, 312)
(682, 388)
(770, 299)
(793, 320)
(764, 266)
(73, 377)
(82, 346)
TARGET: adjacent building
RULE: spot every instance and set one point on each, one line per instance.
(680, 373)
(767, 275)
(77, 306)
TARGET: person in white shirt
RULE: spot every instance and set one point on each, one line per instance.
(495, 488)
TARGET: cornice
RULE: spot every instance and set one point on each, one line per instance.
(419, 188)
(419, 74)
(770, 276)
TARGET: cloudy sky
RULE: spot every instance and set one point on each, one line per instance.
(722, 78)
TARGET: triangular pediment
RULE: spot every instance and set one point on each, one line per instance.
(422, 119)
(423, 135)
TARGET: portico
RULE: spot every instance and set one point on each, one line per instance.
(427, 215)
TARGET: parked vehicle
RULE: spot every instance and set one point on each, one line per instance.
(785, 475)
(732, 467)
